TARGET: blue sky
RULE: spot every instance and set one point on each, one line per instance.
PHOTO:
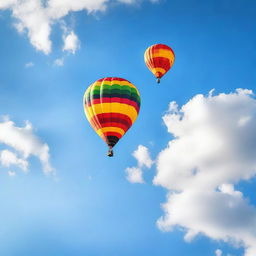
(89, 208)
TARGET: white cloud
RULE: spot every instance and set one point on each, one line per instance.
(135, 1)
(8, 158)
(11, 173)
(24, 142)
(29, 65)
(59, 62)
(36, 17)
(218, 252)
(143, 157)
(34, 20)
(71, 42)
(212, 150)
(134, 175)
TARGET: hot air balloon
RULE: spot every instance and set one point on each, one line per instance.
(111, 106)
(159, 58)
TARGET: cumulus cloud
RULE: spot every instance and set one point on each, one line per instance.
(36, 17)
(25, 144)
(71, 42)
(135, 174)
(213, 148)
(143, 157)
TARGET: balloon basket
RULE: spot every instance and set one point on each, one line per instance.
(110, 152)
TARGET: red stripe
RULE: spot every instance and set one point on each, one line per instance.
(111, 124)
(115, 115)
(115, 124)
(111, 79)
(105, 134)
(161, 62)
(163, 46)
(109, 118)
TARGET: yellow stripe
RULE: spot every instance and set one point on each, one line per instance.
(107, 108)
(147, 59)
(86, 113)
(101, 131)
(121, 108)
(163, 53)
(161, 70)
(84, 103)
(91, 111)
(87, 90)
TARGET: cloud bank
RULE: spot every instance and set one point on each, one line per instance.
(214, 147)
(36, 17)
(24, 144)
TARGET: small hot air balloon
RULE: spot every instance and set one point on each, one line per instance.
(111, 106)
(159, 58)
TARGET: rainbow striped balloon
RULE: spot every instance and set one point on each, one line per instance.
(111, 106)
(159, 58)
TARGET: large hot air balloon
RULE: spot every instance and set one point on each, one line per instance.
(111, 106)
(159, 58)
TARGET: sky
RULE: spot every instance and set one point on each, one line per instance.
(182, 181)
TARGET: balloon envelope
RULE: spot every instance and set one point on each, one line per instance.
(159, 58)
(111, 106)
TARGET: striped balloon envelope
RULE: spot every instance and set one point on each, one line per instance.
(159, 58)
(111, 106)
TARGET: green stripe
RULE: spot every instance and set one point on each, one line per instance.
(116, 86)
(114, 89)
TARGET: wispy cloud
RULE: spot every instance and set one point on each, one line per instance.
(24, 143)
(59, 62)
(213, 149)
(11, 173)
(29, 65)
